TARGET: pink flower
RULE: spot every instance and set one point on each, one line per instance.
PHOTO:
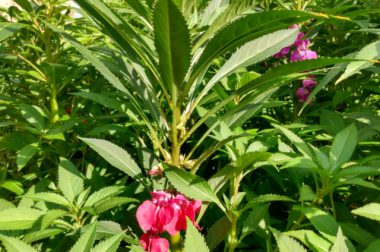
(301, 55)
(309, 83)
(294, 26)
(303, 94)
(166, 212)
(154, 243)
(282, 53)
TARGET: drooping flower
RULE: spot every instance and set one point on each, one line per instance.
(303, 94)
(309, 83)
(300, 55)
(282, 53)
(167, 212)
(153, 243)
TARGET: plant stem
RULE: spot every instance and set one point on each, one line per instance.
(176, 242)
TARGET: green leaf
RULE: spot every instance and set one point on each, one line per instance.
(110, 203)
(102, 99)
(331, 122)
(371, 211)
(5, 204)
(25, 154)
(233, 10)
(109, 245)
(251, 53)
(311, 240)
(323, 222)
(103, 194)
(18, 218)
(33, 115)
(42, 234)
(25, 4)
(288, 244)
(266, 198)
(374, 246)
(15, 245)
(357, 171)
(173, 43)
(369, 52)
(8, 29)
(87, 239)
(259, 214)
(194, 241)
(70, 180)
(340, 244)
(191, 185)
(48, 197)
(114, 155)
(343, 147)
(13, 186)
(217, 232)
(302, 146)
(356, 233)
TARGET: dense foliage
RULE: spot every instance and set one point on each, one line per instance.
(203, 125)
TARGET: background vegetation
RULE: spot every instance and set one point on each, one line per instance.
(103, 102)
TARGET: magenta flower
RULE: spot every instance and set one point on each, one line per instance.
(282, 53)
(303, 94)
(309, 83)
(154, 243)
(301, 55)
(165, 212)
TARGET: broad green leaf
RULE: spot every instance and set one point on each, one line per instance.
(86, 241)
(357, 171)
(331, 122)
(42, 234)
(218, 232)
(374, 246)
(323, 222)
(33, 115)
(103, 194)
(311, 240)
(194, 241)
(302, 146)
(102, 99)
(25, 4)
(369, 52)
(251, 53)
(110, 203)
(49, 197)
(232, 11)
(15, 245)
(340, 244)
(356, 233)
(109, 245)
(259, 214)
(173, 43)
(191, 185)
(288, 244)
(49, 217)
(18, 218)
(371, 211)
(5, 204)
(212, 11)
(70, 180)
(114, 155)
(8, 29)
(13, 186)
(343, 147)
(266, 198)
(25, 154)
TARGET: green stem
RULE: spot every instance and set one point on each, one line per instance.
(299, 5)
(176, 242)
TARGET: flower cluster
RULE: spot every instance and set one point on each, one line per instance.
(301, 52)
(165, 212)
